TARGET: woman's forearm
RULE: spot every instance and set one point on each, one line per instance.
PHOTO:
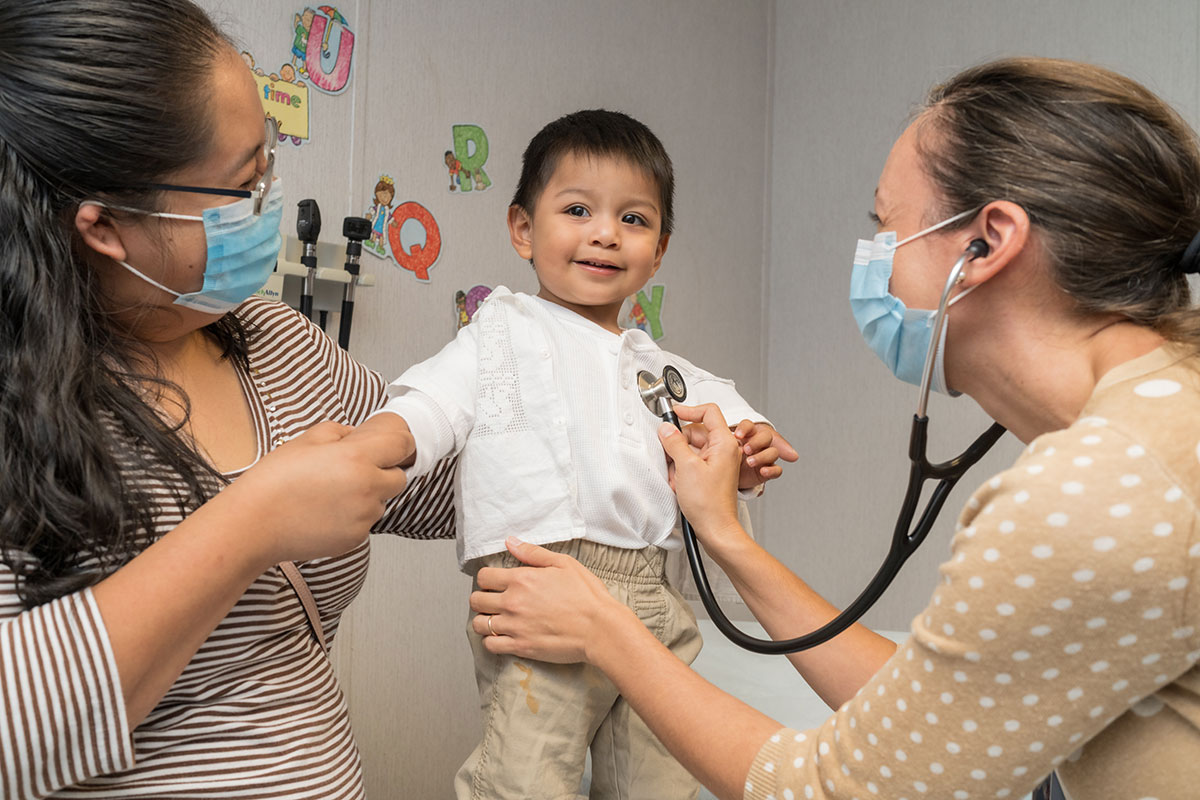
(787, 607)
(713, 734)
(160, 607)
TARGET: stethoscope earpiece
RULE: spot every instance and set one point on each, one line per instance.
(978, 248)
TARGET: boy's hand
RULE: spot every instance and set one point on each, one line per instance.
(761, 447)
(393, 435)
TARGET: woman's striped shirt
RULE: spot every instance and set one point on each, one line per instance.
(258, 712)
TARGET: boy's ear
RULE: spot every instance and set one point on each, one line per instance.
(660, 251)
(520, 231)
(96, 229)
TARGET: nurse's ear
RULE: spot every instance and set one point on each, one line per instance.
(98, 231)
(1003, 228)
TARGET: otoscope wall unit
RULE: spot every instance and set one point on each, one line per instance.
(332, 288)
(287, 281)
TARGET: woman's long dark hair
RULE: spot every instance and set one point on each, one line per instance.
(98, 99)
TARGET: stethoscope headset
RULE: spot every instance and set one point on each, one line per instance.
(659, 393)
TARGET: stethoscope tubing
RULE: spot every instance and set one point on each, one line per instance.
(905, 538)
(939, 323)
(905, 541)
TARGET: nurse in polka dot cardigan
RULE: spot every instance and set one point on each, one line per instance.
(1064, 632)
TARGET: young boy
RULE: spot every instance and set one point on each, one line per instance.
(539, 397)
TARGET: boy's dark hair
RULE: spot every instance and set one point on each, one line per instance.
(596, 132)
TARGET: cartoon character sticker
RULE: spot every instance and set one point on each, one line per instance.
(468, 302)
(455, 167)
(465, 162)
(460, 308)
(637, 315)
(645, 312)
(384, 194)
(301, 27)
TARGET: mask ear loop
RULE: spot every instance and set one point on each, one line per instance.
(937, 227)
(164, 215)
(975, 249)
(129, 210)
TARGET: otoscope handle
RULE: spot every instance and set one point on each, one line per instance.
(308, 229)
(345, 321)
(355, 229)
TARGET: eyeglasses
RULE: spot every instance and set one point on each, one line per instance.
(262, 188)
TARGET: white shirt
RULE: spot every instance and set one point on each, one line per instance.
(554, 441)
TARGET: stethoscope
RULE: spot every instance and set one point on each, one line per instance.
(659, 393)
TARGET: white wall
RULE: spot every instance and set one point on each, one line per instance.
(846, 76)
(695, 71)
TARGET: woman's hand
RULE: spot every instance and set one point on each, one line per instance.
(318, 494)
(553, 610)
(704, 466)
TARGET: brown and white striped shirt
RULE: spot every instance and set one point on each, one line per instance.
(258, 712)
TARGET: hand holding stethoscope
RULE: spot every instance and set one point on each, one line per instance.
(658, 395)
(704, 459)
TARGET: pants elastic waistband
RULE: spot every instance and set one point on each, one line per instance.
(646, 565)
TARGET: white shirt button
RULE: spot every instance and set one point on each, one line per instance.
(628, 418)
(545, 353)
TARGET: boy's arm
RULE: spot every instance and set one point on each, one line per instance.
(435, 399)
(426, 509)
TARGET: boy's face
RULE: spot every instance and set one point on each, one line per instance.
(593, 235)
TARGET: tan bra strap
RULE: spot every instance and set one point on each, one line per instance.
(306, 599)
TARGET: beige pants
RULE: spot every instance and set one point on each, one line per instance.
(539, 719)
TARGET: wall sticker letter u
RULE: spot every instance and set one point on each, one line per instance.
(334, 79)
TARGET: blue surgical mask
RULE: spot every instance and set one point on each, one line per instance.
(899, 336)
(242, 251)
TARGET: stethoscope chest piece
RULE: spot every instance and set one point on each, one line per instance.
(658, 393)
(675, 385)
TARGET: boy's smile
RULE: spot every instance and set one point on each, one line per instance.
(593, 236)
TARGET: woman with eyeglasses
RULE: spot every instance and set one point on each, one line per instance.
(166, 439)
